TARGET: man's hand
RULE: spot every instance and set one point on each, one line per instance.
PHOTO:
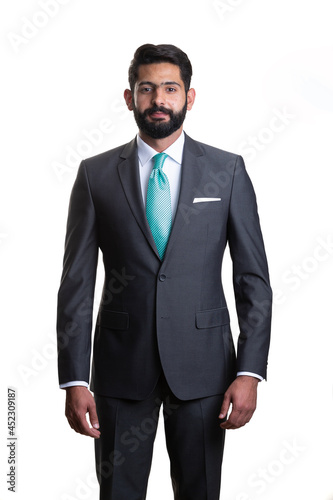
(242, 394)
(80, 401)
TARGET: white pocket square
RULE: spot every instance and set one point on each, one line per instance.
(204, 200)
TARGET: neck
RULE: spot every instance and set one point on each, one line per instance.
(161, 144)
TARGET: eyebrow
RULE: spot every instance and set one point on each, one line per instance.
(154, 84)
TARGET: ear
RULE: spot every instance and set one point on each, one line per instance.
(190, 98)
(129, 99)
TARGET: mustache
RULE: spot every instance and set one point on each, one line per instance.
(155, 109)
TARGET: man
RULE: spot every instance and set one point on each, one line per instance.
(162, 209)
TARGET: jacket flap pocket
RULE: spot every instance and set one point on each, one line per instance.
(212, 317)
(114, 320)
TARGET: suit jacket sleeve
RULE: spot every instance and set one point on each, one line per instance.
(252, 290)
(76, 293)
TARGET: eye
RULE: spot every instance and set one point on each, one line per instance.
(145, 90)
(171, 89)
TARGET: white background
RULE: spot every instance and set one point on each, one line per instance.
(252, 59)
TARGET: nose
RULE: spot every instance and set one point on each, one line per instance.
(158, 97)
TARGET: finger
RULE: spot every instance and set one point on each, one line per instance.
(82, 426)
(78, 422)
(225, 406)
(230, 422)
(237, 419)
(93, 416)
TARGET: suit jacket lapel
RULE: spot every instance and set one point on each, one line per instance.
(193, 169)
(130, 178)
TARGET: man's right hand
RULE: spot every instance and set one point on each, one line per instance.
(79, 402)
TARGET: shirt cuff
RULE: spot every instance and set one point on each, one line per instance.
(250, 374)
(72, 384)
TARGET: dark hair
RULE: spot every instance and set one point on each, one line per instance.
(150, 54)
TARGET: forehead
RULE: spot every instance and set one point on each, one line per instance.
(159, 73)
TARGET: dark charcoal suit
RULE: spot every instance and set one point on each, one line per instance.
(165, 317)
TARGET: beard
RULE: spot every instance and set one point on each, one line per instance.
(159, 129)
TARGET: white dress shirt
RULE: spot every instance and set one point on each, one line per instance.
(172, 168)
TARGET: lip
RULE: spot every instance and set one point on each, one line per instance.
(158, 114)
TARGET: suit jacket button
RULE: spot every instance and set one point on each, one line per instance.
(162, 277)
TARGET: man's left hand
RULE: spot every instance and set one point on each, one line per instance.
(242, 394)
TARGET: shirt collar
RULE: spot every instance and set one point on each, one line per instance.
(175, 151)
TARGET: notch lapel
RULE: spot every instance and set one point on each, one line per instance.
(193, 169)
(130, 179)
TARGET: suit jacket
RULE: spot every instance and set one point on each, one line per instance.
(169, 315)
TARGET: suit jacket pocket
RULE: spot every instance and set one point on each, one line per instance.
(114, 320)
(212, 318)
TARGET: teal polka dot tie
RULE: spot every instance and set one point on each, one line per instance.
(158, 206)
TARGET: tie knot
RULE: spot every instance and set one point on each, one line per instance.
(159, 160)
